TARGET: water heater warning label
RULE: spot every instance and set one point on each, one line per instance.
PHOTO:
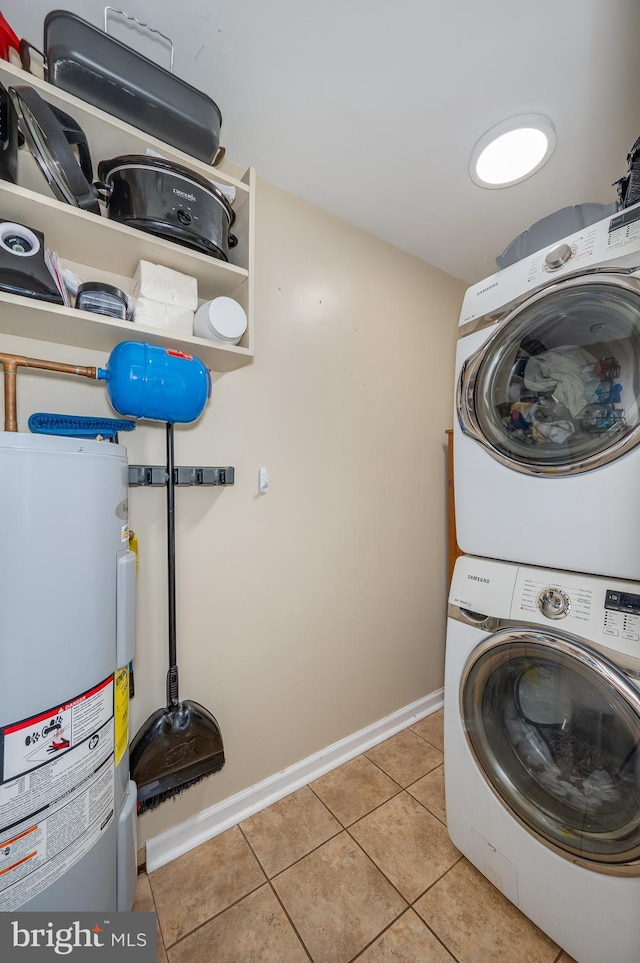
(29, 744)
(56, 791)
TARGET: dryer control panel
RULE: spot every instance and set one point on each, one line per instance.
(624, 228)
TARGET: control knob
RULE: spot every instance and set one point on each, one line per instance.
(558, 256)
(553, 603)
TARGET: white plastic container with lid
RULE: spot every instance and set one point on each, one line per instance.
(222, 319)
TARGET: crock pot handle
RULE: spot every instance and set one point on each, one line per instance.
(233, 240)
(104, 191)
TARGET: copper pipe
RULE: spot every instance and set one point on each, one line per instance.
(10, 413)
(11, 363)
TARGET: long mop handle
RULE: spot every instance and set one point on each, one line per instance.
(172, 674)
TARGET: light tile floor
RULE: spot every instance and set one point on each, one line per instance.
(356, 866)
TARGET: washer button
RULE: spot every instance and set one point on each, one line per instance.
(631, 635)
(610, 631)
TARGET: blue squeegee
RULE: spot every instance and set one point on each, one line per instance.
(78, 426)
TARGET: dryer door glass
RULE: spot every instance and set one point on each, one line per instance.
(555, 729)
(557, 389)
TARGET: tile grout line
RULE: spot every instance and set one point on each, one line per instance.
(408, 789)
(446, 948)
(370, 812)
(382, 873)
(273, 890)
(253, 852)
(401, 789)
(385, 773)
(430, 928)
(406, 906)
(424, 739)
(342, 828)
(380, 870)
(346, 829)
(215, 916)
(291, 923)
(155, 910)
(379, 935)
(364, 815)
(441, 877)
(409, 909)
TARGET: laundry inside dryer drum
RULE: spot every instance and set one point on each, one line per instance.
(560, 382)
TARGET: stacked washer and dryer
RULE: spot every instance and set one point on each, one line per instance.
(542, 678)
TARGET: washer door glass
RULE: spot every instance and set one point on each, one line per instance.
(555, 729)
(557, 388)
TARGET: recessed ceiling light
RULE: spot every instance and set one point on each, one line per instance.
(512, 151)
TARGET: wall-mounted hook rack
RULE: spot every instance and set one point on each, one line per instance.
(156, 475)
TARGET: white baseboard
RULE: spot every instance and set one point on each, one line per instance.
(210, 822)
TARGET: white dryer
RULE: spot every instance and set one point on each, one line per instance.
(547, 462)
(542, 747)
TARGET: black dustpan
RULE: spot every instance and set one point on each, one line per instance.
(181, 744)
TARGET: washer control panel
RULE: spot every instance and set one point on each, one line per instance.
(592, 610)
(622, 615)
(554, 603)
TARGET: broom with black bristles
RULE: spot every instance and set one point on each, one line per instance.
(181, 744)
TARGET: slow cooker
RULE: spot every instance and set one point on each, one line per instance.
(168, 200)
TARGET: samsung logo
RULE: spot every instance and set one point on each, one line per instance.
(187, 197)
(488, 288)
(476, 578)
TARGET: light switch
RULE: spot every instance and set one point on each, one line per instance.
(263, 481)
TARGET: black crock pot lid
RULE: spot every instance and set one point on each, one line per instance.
(108, 167)
(48, 144)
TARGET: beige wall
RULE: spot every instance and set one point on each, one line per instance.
(311, 612)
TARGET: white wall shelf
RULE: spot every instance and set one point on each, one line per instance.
(99, 248)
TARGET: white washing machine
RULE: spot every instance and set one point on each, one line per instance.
(547, 462)
(542, 747)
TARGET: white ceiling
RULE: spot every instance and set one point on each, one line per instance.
(370, 110)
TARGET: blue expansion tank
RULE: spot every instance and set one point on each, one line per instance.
(145, 381)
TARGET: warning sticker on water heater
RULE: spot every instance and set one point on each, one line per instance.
(49, 736)
(36, 852)
(57, 791)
